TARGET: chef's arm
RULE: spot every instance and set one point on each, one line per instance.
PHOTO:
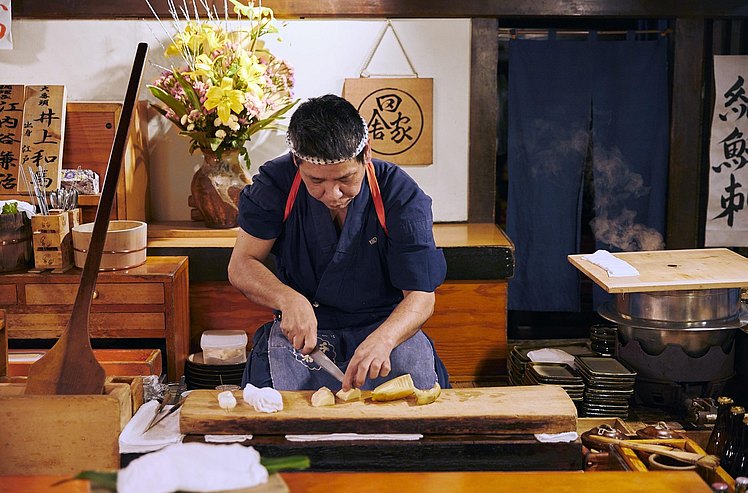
(372, 357)
(248, 273)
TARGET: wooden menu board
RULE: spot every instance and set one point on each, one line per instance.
(483, 410)
(672, 270)
(43, 135)
(11, 122)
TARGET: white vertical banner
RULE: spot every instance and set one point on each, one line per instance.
(6, 41)
(727, 211)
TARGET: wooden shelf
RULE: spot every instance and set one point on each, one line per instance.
(185, 234)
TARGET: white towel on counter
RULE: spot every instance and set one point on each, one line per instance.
(193, 467)
(134, 439)
(614, 266)
(353, 436)
(227, 438)
(568, 436)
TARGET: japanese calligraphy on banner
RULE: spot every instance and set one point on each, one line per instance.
(6, 41)
(727, 214)
(399, 112)
(43, 135)
(11, 120)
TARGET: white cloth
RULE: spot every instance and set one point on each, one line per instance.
(134, 439)
(24, 207)
(193, 467)
(227, 438)
(568, 436)
(551, 355)
(614, 266)
(264, 400)
(352, 436)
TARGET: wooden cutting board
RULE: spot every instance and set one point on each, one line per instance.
(672, 270)
(486, 410)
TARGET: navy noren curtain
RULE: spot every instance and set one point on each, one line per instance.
(572, 103)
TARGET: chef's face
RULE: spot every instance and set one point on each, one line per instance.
(335, 185)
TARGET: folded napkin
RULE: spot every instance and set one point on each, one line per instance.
(193, 467)
(614, 266)
(134, 439)
(568, 436)
(352, 436)
(226, 438)
(551, 355)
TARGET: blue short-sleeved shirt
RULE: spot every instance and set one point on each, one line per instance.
(356, 278)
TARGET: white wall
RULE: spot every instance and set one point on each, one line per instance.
(93, 59)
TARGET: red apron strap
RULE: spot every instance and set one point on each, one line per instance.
(292, 196)
(376, 196)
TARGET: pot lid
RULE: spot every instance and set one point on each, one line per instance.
(671, 270)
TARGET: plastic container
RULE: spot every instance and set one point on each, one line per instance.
(224, 347)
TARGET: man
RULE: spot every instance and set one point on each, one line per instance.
(356, 263)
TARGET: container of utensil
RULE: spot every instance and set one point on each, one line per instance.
(52, 238)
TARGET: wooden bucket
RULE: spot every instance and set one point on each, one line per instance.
(16, 250)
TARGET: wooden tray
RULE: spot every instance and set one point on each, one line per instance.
(487, 410)
(672, 270)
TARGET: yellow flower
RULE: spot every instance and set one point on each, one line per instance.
(203, 67)
(251, 71)
(225, 98)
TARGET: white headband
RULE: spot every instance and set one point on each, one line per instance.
(317, 160)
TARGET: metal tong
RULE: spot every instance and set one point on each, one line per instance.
(173, 397)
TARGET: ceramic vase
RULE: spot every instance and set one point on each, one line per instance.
(216, 186)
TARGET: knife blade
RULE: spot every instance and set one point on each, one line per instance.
(327, 364)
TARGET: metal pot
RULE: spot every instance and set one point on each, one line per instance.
(695, 337)
(681, 306)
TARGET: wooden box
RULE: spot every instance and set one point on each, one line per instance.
(89, 135)
(635, 461)
(61, 434)
(116, 362)
(52, 238)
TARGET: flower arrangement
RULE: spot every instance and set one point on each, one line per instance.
(228, 86)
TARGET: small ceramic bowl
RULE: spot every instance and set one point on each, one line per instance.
(662, 463)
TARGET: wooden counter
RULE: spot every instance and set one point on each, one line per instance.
(473, 482)
(452, 482)
(468, 326)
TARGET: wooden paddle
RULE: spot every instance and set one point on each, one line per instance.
(70, 367)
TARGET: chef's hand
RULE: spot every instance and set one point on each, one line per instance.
(372, 359)
(299, 323)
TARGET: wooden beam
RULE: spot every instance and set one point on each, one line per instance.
(484, 111)
(133, 9)
(686, 182)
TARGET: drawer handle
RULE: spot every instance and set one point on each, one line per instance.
(95, 294)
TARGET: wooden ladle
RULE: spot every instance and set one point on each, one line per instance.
(70, 367)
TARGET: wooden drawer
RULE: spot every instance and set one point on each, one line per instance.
(8, 294)
(105, 294)
(101, 325)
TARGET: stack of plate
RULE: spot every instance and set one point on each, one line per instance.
(518, 358)
(609, 385)
(603, 339)
(555, 374)
(198, 375)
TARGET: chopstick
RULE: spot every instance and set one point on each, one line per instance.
(171, 411)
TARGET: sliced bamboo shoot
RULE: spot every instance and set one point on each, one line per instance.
(394, 389)
(323, 397)
(349, 395)
(428, 396)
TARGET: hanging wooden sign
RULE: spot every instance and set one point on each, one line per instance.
(399, 113)
(43, 135)
(11, 121)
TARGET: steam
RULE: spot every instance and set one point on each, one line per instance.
(613, 223)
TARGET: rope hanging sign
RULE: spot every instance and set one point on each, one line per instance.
(398, 109)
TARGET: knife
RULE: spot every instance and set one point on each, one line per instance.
(327, 364)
